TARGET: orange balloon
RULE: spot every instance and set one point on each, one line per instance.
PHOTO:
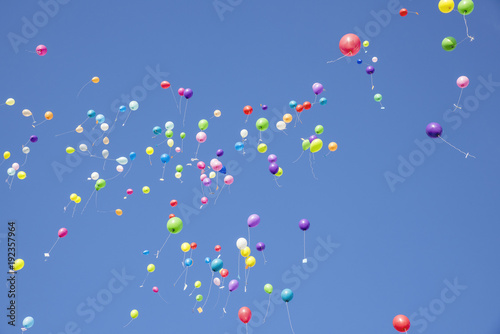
(307, 105)
(287, 118)
(95, 79)
(119, 212)
(49, 115)
(332, 146)
(299, 107)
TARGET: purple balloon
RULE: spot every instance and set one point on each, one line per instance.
(369, 70)
(253, 220)
(317, 88)
(312, 138)
(188, 93)
(219, 153)
(304, 224)
(272, 158)
(207, 181)
(264, 107)
(434, 130)
(274, 168)
(260, 246)
(233, 285)
(33, 139)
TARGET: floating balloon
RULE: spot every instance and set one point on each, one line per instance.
(217, 113)
(247, 110)
(133, 105)
(465, 7)
(118, 212)
(446, 6)
(349, 45)
(332, 146)
(122, 160)
(401, 323)
(287, 118)
(316, 145)
(18, 265)
(317, 88)
(21, 175)
(253, 220)
(145, 189)
(319, 129)
(241, 243)
(262, 148)
(174, 225)
(449, 43)
(41, 50)
(245, 314)
(462, 82)
(203, 124)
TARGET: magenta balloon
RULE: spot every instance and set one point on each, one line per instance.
(155, 289)
(41, 50)
(203, 177)
(201, 165)
(253, 220)
(62, 232)
(317, 88)
(233, 285)
(462, 81)
(180, 91)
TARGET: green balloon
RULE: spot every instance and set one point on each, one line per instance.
(262, 124)
(99, 184)
(179, 168)
(183, 135)
(319, 129)
(465, 7)
(203, 124)
(174, 225)
(169, 133)
(305, 144)
(449, 43)
(378, 97)
(316, 145)
(268, 288)
(199, 298)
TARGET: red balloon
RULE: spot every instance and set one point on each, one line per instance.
(245, 314)
(349, 45)
(224, 272)
(299, 107)
(401, 323)
(193, 245)
(165, 84)
(403, 12)
(173, 202)
(307, 105)
(247, 110)
(218, 248)
(171, 216)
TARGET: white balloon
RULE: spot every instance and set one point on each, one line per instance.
(374, 59)
(26, 150)
(122, 160)
(11, 171)
(94, 176)
(104, 126)
(281, 125)
(83, 147)
(241, 243)
(169, 125)
(133, 105)
(217, 281)
(244, 133)
(27, 113)
(119, 168)
(105, 154)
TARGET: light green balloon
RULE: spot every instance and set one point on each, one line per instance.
(183, 135)
(306, 144)
(203, 124)
(319, 129)
(268, 288)
(174, 225)
(378, 97)
(179, 168)
(465, 7)
(316, 145)
(199, 298)
(99, 184)
(449, 43)
(262, 124)
(169, 133)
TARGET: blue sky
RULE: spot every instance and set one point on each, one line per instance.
(400, 224)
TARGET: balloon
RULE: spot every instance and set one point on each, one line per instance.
(18, 264)
(188, 93)
(11, 171)
(207, 182)
(78, 200)
(370, 70)
(151, 267)
(316, 145)
(199, 298)
(155, 289)
(260, 246)
(217, 248)
(465, 7)
(185, 247)
(28, 322)
(156, 130)
(41, 50)
(253, 220)
(79, 129)
(91, 113)
(95, 79)
(403, 12)
(349, 45)
(201, 137)
(188, 262)
(245, 314)
(377, 97)
(149, 150)
(179, 168)
(306, 144)
(6, 155)
(243, 133)
(169, 133)
(15, 165)
(332, 146)
(217, 113)
(132, 156)
(366, 43)
(201, 165)
(449, 43)
(105, 154)
(49, 115)
(262, 148)
(122, 109)
(268, 288)
(233, 285)
(273, 168)
(21, 175)
(434, 130)
(216, 265)
(178, 149)
(83, 147)
(247, 110)
(134, 314)
(118, 212)
(145, 189)
(27, 113)
(401, 323)
(193, 245)
(238, 146)
(286, 295)
(280, 172)
(94, 176)
(281, 125)
(204, 200)
(287, 118)
(299, 107)
(183, 135)
(217, 281)
(170, 142)
(304, 224)
(203, 124)
(99, 184)
(228, 180)
(462, 81)
(241, 243)
(130, 191)
(207, 260)
(317, 88)
(224, 272)
(169, 125)
(73, 196)
(174, 225)
(272, 158)
(245, 252)
(100, 118)
(219, 153)
(26, 150)
(165, 158)
(262, 124)
(197, 284)
(119, 169)
(122, 160)
(292, 104)
(146, 252)
(62, 232)
(250, 261)
(165, 84)
(446, 6)
(171, 216)
(359, 61)
(319, 129)
(322, 101)
(133, 105)
(374, 59)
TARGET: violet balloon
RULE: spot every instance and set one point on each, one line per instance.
(207, 182)
(219, 153)
(304, 224)
(264, 107)
(272, 158)
(233, 285)
(188, 93)
(370, 70)
(434, 130)
(260, 246)
(317, 88)
(253, 220)
(33, 139)
(311, 138)
(274, 168)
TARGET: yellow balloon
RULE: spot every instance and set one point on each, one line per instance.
(78, 199)
(105, 141)
(185, 247)
(250, 261)
(151, 268)
(145, 189)
(134, 314)
(178, 175)
(95, 79)
(70, 150)
(118, 212)
(217, 113)
(287, 118)
(150, 150)
(21, 175)
(170, 142)
(73, 196)
(366, 43)
(197, 284)
(211, 175)
(446, 6)
(18, 264)
(27, 113)
(6, 155)
(262, 148)
(10, 102)
(245, 252)
(280, 172)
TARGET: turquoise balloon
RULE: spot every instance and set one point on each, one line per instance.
(322, 101)
(216, 265)
(286, 295)
(28, 322)
(156, 130)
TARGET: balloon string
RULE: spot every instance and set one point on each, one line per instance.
(182, 145)
(458, 103)
(192, 291)
(217, 302)
(333, 61)
(25, 160)
(113, 177)
(239, 266)
(219, 194)
(180, 109)
(173, 96)
(196, 302)
(45, 120)
(128, 323)
(276, 180)
(289, 319)
(64, 133)
(162, 298)
(371, 77)
(150, 162)
(248, 236)
(267, 308)
(246, 326)
(33, 117)
(311, 164)
(209, 289)
(88, 201)
(83, 88)
(74, 210)
(300, 156)
(304, 245)
(196, 154)
(185, 112)
(104, 164)
(180, 275)
(246, 280)
(66, 204)
(163, 245)
(54, 245)
(466, 154)
(144, 280)
(128, 169)
(227, 300)
(126, 119)
(265, 261)
(246, 120)
(163, 173)
(381, 106)
(98, 138)
(184, 258)
(467, 29)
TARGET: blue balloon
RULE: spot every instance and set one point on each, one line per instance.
(223, 170)
(322, 101)
(156, 130)
(286, 295)
(100, 118)
(292, 104)
(216, 265)
(132, 155)
(239, 146)
(146, 252)
(165, 158)
(359, 61)
(207, 259)
(188, 262)
(28, 322)
(123, 108)
(91, 113)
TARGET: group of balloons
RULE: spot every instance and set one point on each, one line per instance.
(465, 7)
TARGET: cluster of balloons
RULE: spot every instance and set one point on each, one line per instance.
(465, 7)
(273, 166)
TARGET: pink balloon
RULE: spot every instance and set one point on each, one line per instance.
(119, 168)
(204, 200)
(349, 45)
(178, 149)
(228, 180)
(62, 232)
(41, 50)
(203, 177)
(463, 81)
(201, 165)
(217, 281)
(181, 91)
(130, 191)
(216, 165)
(201, 137)
(155, 289)
(15, 165)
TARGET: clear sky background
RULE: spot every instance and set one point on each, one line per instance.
(392, 247)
